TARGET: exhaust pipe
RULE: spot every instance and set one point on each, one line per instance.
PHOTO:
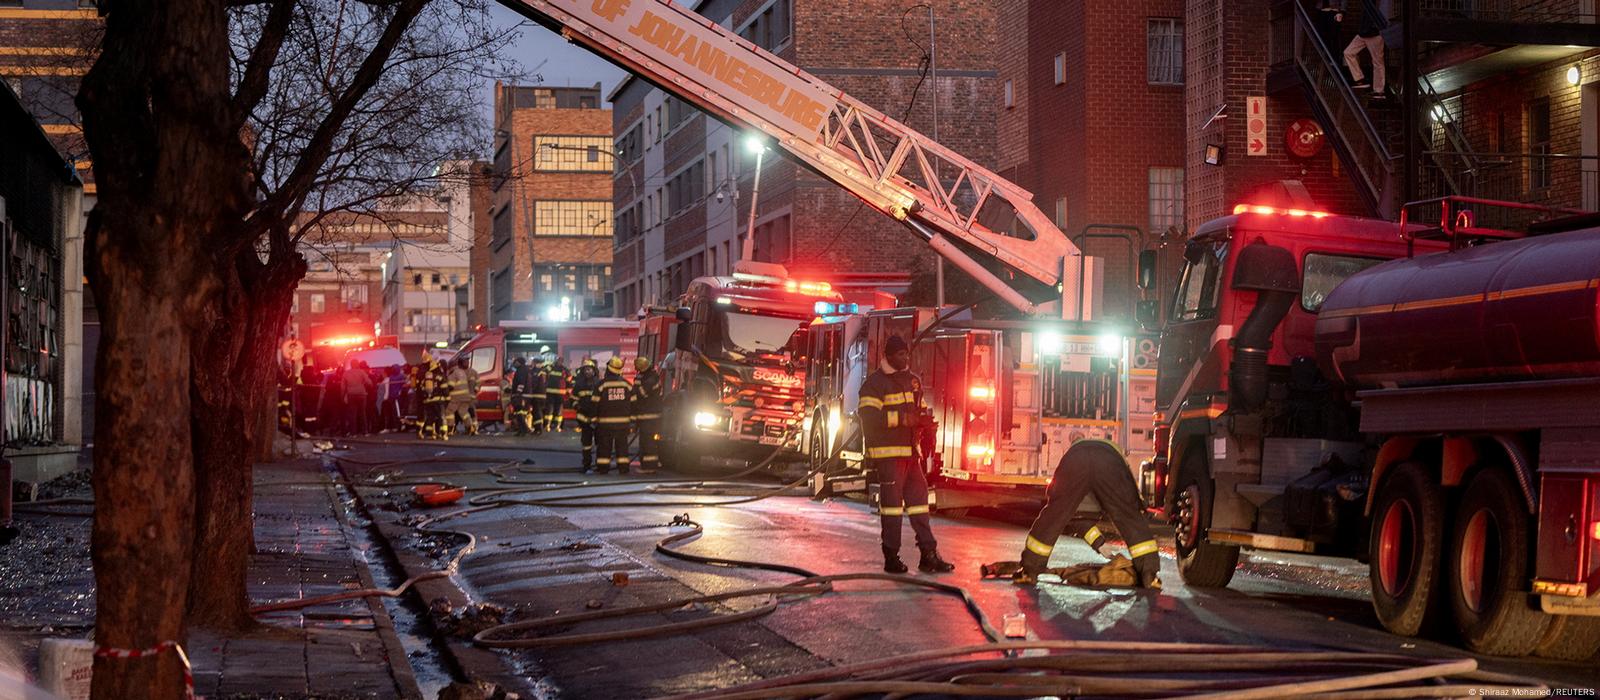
(1271, 272)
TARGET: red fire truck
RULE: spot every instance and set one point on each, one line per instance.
(1433, 414)
(732, 355)
(492, 350)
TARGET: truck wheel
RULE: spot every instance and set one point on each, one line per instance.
(1570, 638)
(1403, 561)
(1201, 563)
(818, 445)
(1488, 569)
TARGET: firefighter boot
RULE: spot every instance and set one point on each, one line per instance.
(892, 563)
(931, 563)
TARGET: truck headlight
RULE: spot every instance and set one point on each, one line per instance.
(704, 419)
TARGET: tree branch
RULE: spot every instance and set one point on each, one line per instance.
(253, 86)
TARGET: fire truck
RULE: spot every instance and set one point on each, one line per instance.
(1424, 397)
(492, 350)
(732, 357)
(1009, 397)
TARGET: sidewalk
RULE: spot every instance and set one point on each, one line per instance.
(304, 549)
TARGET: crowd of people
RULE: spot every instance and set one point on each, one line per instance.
(439, 399)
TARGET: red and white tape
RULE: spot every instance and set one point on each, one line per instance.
(169, 645)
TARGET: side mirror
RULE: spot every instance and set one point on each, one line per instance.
(1148, 313)
(683, 314)
(1147, 270)
(680, 340)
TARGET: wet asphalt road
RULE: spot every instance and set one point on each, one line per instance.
(543, 560)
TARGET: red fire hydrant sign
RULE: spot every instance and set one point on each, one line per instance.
(1255, 125)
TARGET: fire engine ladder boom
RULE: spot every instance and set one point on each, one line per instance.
(940, 195)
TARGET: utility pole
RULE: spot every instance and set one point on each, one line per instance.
(756, 145)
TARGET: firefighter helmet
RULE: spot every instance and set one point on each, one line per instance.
(641, 363)
(615, 363)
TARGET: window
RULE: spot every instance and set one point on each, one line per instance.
(1324, 272)
(571, 218)
(319, 303)
(1202, 278)
(1164, 52)
(1061, 68)
(1010, 98)
(546, 282)
(627, 147)
(661, 124)
(1166, 199)
(482, 360)
(686, 188)
(1539, 143)
(770, 28)
(294, 304)
(571, 153)
(1061, 213)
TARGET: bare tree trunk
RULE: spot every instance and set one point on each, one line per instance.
(234, 380)
(171, 174)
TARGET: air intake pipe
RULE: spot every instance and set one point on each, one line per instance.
(1271, 272)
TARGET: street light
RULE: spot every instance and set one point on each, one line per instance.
(754, 144)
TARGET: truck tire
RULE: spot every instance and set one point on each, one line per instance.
(1405, 546)
(1488, 569)
(1570, 638)
(1201, 563)
(818, 445)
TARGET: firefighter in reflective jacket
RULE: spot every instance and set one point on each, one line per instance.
(612, 415)
(555, 394)
(463, 393)
(892, 414)
(535, 395)
(434, 388)
(517, 391)
(647, 411)
(584, 386)
(1097, 467)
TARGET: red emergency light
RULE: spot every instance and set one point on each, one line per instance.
(981, 392)
(807, 287)
(345, 340)
(1596, 532)
(1263, 209)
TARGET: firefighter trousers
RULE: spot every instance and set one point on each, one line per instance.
(903, 491)
(1098, 468)
(520, 409)
(535, 415)
(433, 418)
(613, 449)
(459, 413)
(649, 443)
(586, 438)
(552, 411)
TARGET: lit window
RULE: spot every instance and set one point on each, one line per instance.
(572, 153)
(1166, 199)
(319, 303)
(571, 218)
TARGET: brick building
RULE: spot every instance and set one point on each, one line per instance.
(684, 186)
(429, 289)
(550, 231)
(1503, 103)
(1091, 121)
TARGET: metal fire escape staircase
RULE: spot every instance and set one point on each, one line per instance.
(959, 208)
(1369, 137)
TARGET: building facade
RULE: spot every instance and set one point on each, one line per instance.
(41, 200)
(684, 181)
(1091, 122)
(46, 46)
(428, 280)
(550, 229)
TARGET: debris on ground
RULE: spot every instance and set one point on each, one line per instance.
(476, 690)
(467, 621)
(579, 546)
(619, 579)
(73, 484)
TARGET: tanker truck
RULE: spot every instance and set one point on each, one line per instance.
(1425, 398)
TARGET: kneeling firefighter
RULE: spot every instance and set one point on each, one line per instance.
(896, 425)
(1098, 467)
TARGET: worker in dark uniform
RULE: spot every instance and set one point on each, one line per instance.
(647, 412)
(1097, 467)
(584, 386)
(892, 415)
(555, 394)
(517, 390)
(287, 381)
(536, 395)
(612, 416)
(433, 387)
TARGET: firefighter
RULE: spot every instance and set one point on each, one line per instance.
(612, 414)
(894, 419)
(584, 386)
(517, 390)
(1097, 467)
(555, 394)
(463, 394)
(287, 381)
(434, 390)
(647, 411)
(536, 395)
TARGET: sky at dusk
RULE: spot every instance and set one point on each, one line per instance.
(563, 65)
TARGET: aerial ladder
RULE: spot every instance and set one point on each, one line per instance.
(956, 206)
